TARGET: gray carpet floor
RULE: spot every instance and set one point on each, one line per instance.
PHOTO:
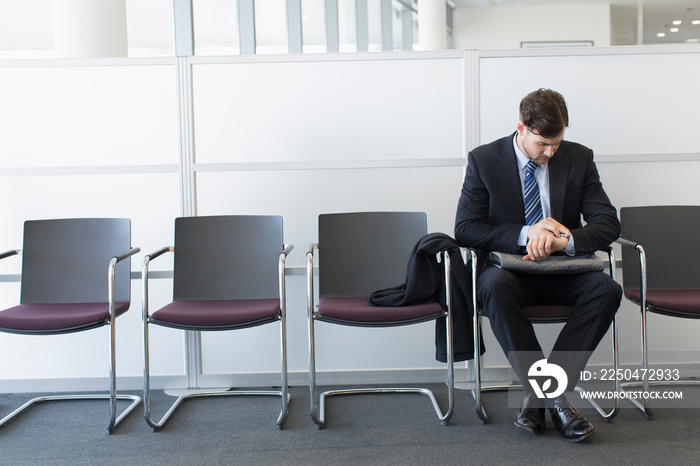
(360, 430)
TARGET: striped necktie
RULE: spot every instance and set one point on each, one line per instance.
(533, 207)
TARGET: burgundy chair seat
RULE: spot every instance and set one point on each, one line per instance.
(670, 302)
(358, 310)
(545, 313)
(57, 318)
(217, 314)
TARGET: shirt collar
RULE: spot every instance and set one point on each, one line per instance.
(522, 158)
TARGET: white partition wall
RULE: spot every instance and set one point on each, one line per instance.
(298, 136)
(306, 137)
(151, 140)
(626, 104)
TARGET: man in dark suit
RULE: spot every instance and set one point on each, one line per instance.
(510, 204)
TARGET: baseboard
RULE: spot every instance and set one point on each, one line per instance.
(133, 383)
(462, 376)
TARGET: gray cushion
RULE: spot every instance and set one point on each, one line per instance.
(358, 310)
(550, 265)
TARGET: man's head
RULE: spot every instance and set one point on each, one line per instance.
(544, 112)
(543, 118)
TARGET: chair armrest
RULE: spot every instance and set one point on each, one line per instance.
(311, 249)
(287, 249)
(637, 246)
(310, 280)
(310, 262)
(127, 254)
(642, 260)
(468, 254)
(10, 253)
(111, 279)
(642, 257)
(159, 253)
(626, 242)
(612, 261)
(147, 260)
(113, 265)
(144, 276)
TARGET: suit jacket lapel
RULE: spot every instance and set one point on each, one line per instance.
(508, 169)
(558, 175)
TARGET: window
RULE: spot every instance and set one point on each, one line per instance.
(271, 26)
(215, 27)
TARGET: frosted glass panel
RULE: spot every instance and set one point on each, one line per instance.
(92, 115)
(618, 104)
(323, 111)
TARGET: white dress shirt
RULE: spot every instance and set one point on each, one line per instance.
(542, 177)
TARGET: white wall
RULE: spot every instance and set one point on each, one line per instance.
(298, 136)
(301, 137)
(291, 136)
(505, 27)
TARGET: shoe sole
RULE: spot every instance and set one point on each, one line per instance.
(529, 429)
(580, 439)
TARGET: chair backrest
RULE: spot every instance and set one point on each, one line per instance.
(227, 257)
(669, 236)
(67, 260)
(363, 252)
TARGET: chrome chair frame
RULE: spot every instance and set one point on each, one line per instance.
(317, 402)
(643, 309)
(284, 389)
(114, 419)
(478, 385)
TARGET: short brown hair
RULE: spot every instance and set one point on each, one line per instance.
(544, 112)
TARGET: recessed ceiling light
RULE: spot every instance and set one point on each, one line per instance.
(674, 29)
(660, 34)
(678, 22)
(696, 22)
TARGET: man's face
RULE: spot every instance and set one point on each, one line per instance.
(537, 148)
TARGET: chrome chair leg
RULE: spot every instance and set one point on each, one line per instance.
(112, 396)
(284, 388)
(317, 402)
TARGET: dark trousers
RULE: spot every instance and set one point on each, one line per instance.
(594, 298)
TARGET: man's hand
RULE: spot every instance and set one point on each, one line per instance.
(543, 239)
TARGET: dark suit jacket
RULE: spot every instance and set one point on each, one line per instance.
(491, 209)
(425, 281)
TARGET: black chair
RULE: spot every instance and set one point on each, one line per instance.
(228, 275)
(75, 277)
(655, 277)
(541, 314)
(359, 253)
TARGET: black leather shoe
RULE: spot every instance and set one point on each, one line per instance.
(569, 422)
(531, 415)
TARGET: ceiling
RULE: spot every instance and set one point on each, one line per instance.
(658, 17)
